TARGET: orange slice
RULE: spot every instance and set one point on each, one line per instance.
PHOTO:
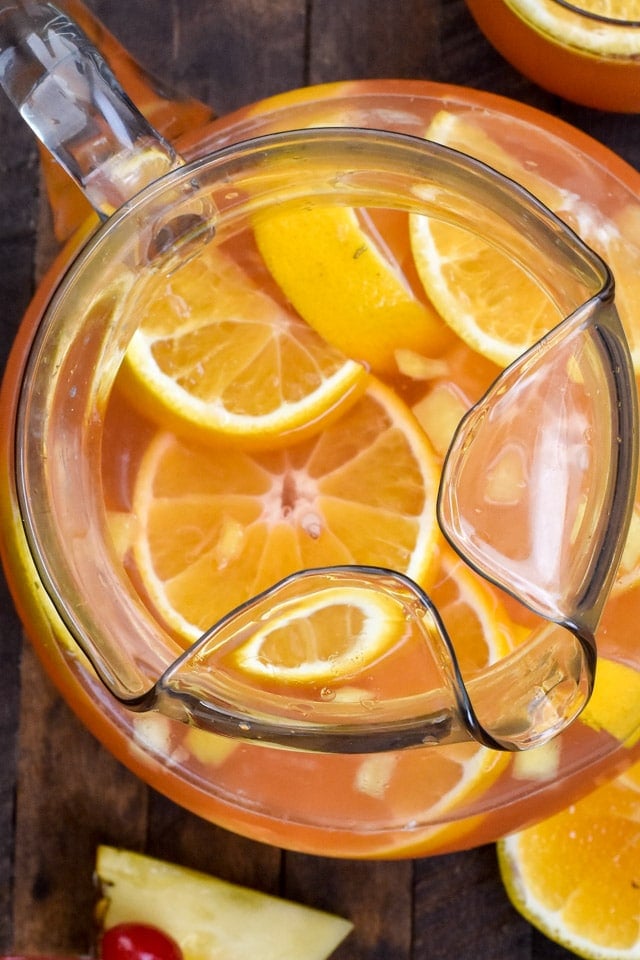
(621, 249)
(450, 781)
(301, 642)
(461, 133)
(399, 788)
(215, 526)
(459, 269)
(572, 30)
(575, 875)
(215, 355)
(343, 278)
(314, 639)
(480, 628)
(615, 703)
(628, 575)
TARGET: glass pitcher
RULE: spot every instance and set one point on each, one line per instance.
(268, 608)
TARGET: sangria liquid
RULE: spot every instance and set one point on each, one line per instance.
(400, 804)
(606, 80)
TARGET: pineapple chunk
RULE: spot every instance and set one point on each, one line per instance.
(209, 918)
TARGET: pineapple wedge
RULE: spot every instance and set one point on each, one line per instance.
(209, 918)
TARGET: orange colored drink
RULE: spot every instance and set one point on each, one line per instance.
(191, 547)
(581, 51)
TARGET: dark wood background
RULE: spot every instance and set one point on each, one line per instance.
(60, 792)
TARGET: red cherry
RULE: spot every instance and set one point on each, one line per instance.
(138, 941)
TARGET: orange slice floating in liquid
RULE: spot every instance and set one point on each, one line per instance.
(217, 525)
(215, 355)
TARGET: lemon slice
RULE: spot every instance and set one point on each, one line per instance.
(344, 280)
(215, 355)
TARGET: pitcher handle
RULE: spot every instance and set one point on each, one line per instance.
(74, 104)
(171, 112)
(167, 109)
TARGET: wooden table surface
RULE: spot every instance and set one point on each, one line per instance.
(61, 793)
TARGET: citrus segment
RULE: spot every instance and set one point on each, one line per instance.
(615, 703)
(483, 295)
(628, 575)
(488, 300)
(479, 626)
(216, 526)
(214, 354)
(342, 278)
(621, 249)
(572, 29)
(499, 319)
(575, 875)
(452, 781)
(462, 133)
(322, 637)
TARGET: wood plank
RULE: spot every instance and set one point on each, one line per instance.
(369, 38)
(461, 911)
(72, 795)
(466, 58)
(18, 222)
(177, 835)
(10, 652)
(19, 179)
(375, 896)
(226, 54)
